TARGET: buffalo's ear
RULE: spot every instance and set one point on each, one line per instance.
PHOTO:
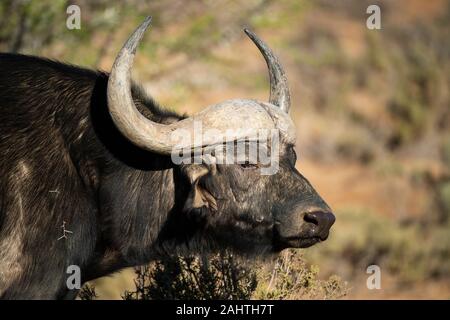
(198, 197)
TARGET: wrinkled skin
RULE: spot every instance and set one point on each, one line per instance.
(262, 213)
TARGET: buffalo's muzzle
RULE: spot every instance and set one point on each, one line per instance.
(320, 223)
(303, 228)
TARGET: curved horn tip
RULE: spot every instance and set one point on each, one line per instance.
(249, 33)
(144, 25)
(279, 90)
(146, 21)
(133, 41)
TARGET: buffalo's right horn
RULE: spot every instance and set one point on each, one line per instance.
(279, 90)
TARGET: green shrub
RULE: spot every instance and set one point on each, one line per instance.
(291, 278)
(220, 276)
(224, 276)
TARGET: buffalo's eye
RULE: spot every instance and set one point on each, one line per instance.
(248, 165)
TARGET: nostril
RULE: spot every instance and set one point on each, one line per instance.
(322, 219)
(311, 217)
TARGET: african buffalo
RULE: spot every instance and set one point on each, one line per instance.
(91, 152)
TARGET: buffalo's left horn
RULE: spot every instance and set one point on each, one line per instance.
(279, 90)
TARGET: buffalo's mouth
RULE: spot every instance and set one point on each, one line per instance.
(301, 242)
(298, 242)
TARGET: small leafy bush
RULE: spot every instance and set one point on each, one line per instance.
(291, 278)
(219, 277)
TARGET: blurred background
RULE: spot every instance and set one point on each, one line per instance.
(371, 109)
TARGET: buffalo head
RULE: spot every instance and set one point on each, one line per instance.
(237, 204)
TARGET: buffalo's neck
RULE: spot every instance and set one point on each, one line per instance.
(134, 205)
(132, 189)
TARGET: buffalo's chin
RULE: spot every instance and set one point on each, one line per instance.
(305, 243)
(292, 242)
